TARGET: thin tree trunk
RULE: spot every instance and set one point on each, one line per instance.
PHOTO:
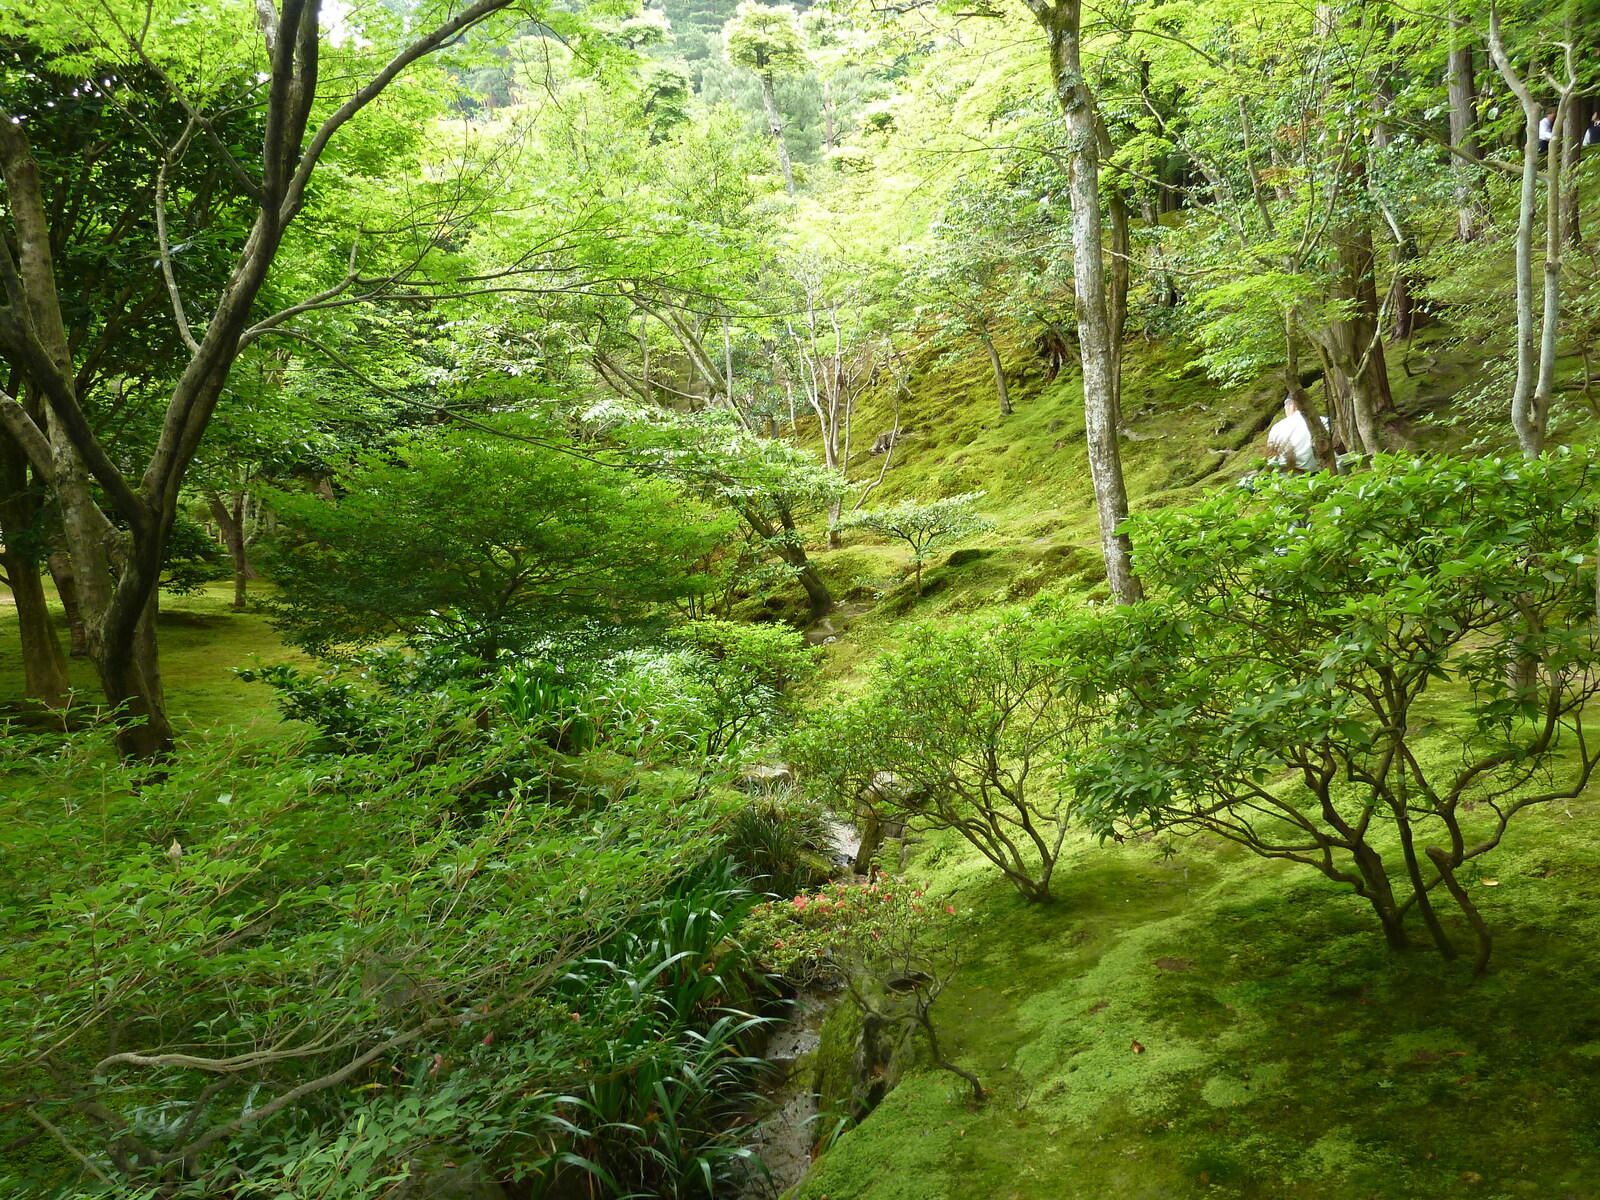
(1462, 86)
(231, 524)
(1000, 388)
(1577, 124)
(1061, 22)
(1527, 418)
(775, 128)
(44, 666)
(1117, 299)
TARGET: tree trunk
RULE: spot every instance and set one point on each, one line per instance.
(44, 666)
(786, 544)
(60, 565)
(999, 375)
(1117, 299)
(1532, 392)
(1462, 86)
(1577, 124)
(775, 128)
(1061, 22)
(231, 524)
(1353, 345)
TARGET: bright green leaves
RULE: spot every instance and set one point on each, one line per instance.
(1284, 690)
(493, 533)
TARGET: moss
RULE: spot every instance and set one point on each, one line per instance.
(202, 640)
(1285, 1051)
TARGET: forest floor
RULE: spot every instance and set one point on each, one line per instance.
(1203, 1023)
(202, 640)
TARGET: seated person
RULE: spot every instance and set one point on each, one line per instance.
(1289, 443)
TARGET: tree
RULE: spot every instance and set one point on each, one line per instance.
(924, 526)
(772, 486)
(1534, 391)
(767, 39)
(1279, 687)
(116, 521)
(1099, 309)
(500, 538)
(960, 730)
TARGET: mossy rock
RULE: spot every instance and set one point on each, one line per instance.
(968, 554)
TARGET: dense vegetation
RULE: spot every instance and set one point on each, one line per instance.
(711, 600)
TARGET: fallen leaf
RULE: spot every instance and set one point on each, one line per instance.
(1137, 1048)
(1471, 1177)
(1099, 1005)
(1490, 882)
(1167, 963)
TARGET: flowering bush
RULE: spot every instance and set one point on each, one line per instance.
(887, 942)
(879, 928)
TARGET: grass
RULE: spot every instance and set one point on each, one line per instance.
(202, 639)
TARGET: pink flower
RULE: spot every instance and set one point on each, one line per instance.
(951, 909)
(778, 945)
(800, 903)
(875, 936)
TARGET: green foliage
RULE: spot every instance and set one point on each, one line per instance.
(894, 950)
(781, 842)
(331, 944)
(488, 534)
(1304, 640)
(741, 678)
(960, 730)
(924, 526)
(766, 39)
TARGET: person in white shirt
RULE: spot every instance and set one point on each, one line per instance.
(1591, 136)
(1289, 443)
(1547, 130)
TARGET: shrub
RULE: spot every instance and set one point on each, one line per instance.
(962, 729)
(1371, 676)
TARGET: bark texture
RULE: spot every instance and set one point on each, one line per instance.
(1062, 23)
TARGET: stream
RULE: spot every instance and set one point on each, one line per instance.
(782, 1138)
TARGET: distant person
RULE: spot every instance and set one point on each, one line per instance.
(1290, 446)
(1547, 130)
(1591, 136)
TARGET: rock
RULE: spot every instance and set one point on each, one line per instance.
(766, 776)
(886, 440)
(819, 633)
(828, 641)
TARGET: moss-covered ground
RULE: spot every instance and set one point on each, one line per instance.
(202, 640)
(1202, 1023)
